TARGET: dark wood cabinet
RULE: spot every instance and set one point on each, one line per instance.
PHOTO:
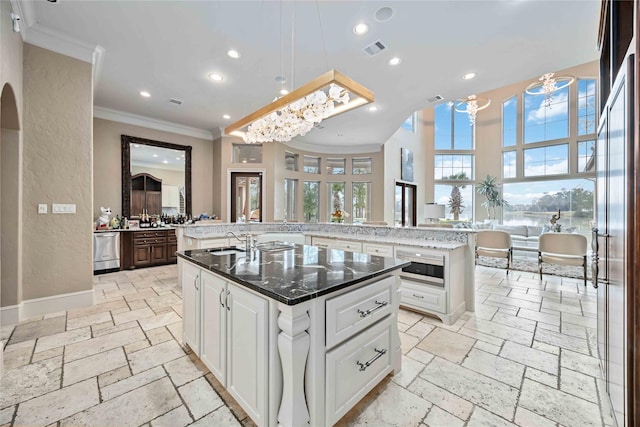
(148, 248)
(146, 194)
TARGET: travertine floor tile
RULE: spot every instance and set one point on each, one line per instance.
(183, 370)
(525, 418)
(449, 345)
(200, 397)
(62, 338)
(40, 328)
(178, 417)
(578, 384)
(154, 356)
(92, 319)
(482, 418)
(562, 341)
(220, 417)
(545, 378)
(159, 321)
(28, 381)
(495, 367)
(6, 415)
(440, 418)
(580, 362)
(93, 366)
(500, 331)
(128, 316)
(495, 396)
(102, 343)
(136, 407)
(132, 382)
(59, 404)
(450, 402)
(558, 406)
(410, 370)
(530, 357)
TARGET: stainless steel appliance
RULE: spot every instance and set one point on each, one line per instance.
(106, 252)
(424, 268)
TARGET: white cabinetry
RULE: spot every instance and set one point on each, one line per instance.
(190, 279)
(447, 300)
(234, 342)
(343, 245)
(377, 249)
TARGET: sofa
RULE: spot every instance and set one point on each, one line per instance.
(522, 236)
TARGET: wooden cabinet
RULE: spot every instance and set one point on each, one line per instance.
(148, 248)
(146, 194)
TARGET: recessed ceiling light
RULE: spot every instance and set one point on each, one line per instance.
(145, 94)
(468, 76)
(394, 61)
(232, 53)
(360, 29)
(155, 155)
(373, 108)
(226, 116)
(283, 91)
(216, 77)
(165, 161)
(136, 145)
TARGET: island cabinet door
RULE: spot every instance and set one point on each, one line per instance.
(247, 353)
(190, 282)
(214, 323)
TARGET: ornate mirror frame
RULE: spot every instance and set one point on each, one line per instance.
(126, 140)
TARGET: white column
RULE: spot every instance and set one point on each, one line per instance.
(293, 345)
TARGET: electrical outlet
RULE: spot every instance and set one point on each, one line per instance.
(42, 208)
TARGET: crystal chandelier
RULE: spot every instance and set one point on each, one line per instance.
(471, 105)
(547, 84)
(296, 113)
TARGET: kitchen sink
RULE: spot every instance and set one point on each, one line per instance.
(275, 246)
(231, 250)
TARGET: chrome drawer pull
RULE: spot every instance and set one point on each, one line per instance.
(365, 365)
(379, 305)
(418, 296)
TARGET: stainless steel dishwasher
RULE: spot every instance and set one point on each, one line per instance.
(106, 252)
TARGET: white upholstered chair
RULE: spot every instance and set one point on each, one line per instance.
(495, 244)
(563, 249)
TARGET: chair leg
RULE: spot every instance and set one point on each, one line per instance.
(540, 264)
(509, 259)
(584, 264)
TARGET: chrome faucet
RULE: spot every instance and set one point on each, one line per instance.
(248, 240)
(234, 235)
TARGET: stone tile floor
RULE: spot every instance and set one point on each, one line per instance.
(525, 357)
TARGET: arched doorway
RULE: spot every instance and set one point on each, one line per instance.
(10, 207)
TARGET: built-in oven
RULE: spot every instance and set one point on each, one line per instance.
(424, 268)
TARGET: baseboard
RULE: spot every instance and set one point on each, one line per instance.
(9, 315)
(55, 303)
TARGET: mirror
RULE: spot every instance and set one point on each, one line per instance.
(156, 176)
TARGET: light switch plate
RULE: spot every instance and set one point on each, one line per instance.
(42, 208)
(60, 208)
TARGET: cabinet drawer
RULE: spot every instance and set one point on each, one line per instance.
(323, 242)
(213, 243)
(149, 234)
(171, 236)
(354, 311)
(355, 367)
(347, 245)
(423, 296)
(380, 250)
(149, 241)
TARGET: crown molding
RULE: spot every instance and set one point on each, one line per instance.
(58, 42)
(148, 122)
(334, 149)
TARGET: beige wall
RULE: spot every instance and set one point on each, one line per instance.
(10, 161)
(107, 161)
(488, 152)
(58, 101)
(392, 168)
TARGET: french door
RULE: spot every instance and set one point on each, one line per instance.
(246, 196)
(405, 205)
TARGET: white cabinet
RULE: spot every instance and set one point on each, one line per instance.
(190, 279)
(343, 245)
(377, 249)
(170, 196)
(234, 342)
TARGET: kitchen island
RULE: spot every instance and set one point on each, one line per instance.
(297, 334)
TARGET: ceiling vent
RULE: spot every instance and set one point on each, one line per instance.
(375, 48)
(175, 101)
(435, 98)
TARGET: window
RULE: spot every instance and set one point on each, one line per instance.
(546, 122)
(247, 153)
(509, 164)
(311, 164)
(586, 156)
(410, 123)
(533, 203)
(311, 201)
(405, 205)
(550, 160)
(361, 192)
(290, 161)
(335, 166)
(453, 166)
(452, 130)
(509, 121)
(290, 199)
(586, 106)
(361, 166)
(335, 197)
(455, 196)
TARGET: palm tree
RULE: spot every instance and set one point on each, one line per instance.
(456, 206)
(490, 189)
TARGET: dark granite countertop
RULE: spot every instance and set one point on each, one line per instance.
(294, 275)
